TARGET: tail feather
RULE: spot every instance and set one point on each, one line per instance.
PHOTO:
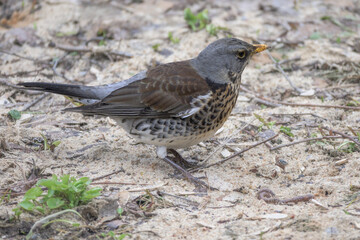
(86, 92)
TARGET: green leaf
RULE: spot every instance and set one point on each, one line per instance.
(196, 22)
(51, 192)
(40, 209)
(17, 211)
(53, 203)
(287, 131)
(212, 30)
(46, 144)
(65, 179)
(92, 193)
(48, 183)
(269, 125)
(14, 114)
(122, 236)
(173, 39)
(27, 205)
(155, 47)
(33, 193)
(56, 143)
(120, 211)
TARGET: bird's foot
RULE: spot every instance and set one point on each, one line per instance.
(170, 160)
(178, 159)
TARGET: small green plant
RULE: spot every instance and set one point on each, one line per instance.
(198, 21)
(102, 33)
(287, 131)
(173, 39)
(64, 193)
(353, 103)
(14, 114)
(156, 47)
(214, 30)
(269, 125)
(113, 235)
(120, 211)
(201, 21)
(335, 22)
(348, 147)
(50, 146)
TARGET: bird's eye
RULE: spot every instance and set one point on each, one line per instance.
(241, 54)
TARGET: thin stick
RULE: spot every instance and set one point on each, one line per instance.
(269, 197)
(340, 86)
(53, 68)
(266, 103)
(297, 104)
(343, 135)
(4, 81)
(179, 197)
(146, 189)
(279, 68)
(317, 105)
(45, 62)
(107, 175)
(30, 104)
(92, 50)
(45, 219)
(118, 183)
(236, 154)
(303, 140)
(226, 141)
(23, 57)
(268, 145)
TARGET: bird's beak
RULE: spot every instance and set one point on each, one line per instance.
(259, 48)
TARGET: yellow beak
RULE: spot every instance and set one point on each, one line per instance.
(260, 47)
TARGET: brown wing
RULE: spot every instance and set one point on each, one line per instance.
(173, 89)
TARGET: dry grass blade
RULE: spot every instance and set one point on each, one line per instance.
(236, 154)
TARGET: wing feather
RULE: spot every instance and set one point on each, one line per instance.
(168, 90)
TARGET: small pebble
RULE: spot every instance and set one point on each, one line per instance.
(225, 153)
(332, 231)
(114, 224)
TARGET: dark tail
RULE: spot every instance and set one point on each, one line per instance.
(79, 91)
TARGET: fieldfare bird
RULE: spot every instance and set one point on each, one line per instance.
(173, 105)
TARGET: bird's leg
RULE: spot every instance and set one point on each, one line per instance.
(162, 153)
(181, 161)
(186, 174)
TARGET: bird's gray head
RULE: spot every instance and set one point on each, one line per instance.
(225, 59)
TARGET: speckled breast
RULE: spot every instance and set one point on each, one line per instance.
(185, 132)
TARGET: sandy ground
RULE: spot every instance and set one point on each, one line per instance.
(318, 42)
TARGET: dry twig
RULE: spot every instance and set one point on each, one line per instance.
(95, 50)
(236, 154)
(269, 197)
(303, 140)
(107, 175)
(343, 135)
(279, 68)
(271, 101)
(32, 103)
